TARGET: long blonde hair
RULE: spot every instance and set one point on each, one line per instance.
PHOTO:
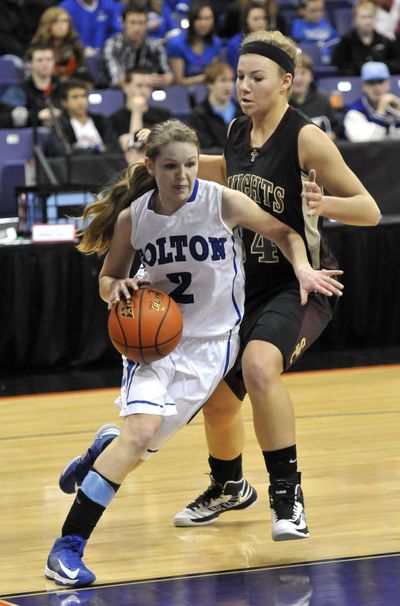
(103, 213)
(48, 17)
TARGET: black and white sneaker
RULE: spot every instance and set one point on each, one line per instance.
(287, 508)
(215, 500)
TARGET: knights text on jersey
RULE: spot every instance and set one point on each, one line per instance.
(195, 257)
(271, 175)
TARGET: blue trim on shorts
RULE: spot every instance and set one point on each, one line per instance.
(150, 403)
(228, 354)
(235, 271)
(131, 369)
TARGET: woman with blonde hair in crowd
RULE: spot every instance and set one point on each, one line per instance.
(56, 29)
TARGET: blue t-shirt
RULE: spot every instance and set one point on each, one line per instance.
(233, 49)
(322, 31)
(226, 114)
(94, 25)
(195, 64)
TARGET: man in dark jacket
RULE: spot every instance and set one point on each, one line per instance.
(36, 91)
(77, 131)
(211, 117)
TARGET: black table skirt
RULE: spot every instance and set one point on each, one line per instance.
(51, 313)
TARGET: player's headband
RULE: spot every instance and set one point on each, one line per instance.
(265, 49)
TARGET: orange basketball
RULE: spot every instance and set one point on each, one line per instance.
(146, 328)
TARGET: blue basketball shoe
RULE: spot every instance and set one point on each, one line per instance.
(64, 564)
(77, 469)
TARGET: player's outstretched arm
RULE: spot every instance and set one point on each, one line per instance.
(238, 209)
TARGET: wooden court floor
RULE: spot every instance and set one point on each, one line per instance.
(348, 443)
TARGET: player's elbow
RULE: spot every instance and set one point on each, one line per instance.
(374, 215)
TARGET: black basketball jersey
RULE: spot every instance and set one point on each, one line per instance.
(271, 175)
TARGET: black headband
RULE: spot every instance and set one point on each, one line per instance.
(265, 49)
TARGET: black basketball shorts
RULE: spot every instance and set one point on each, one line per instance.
(287, 324)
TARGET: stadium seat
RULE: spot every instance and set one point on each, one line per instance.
(348, 86)
(106, 101)
(321, 68)
(342, 19)
(396, 84)
(175, 98)
(16, 147)
(11, 69)
(95, 65)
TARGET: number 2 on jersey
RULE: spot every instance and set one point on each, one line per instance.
(183, 279)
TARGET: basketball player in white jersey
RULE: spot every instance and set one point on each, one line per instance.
(185, 232)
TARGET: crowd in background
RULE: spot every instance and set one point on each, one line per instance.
(63, 50)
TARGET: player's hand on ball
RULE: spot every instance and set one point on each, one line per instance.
(122, 290)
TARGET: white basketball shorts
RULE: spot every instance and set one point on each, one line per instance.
(177, 386)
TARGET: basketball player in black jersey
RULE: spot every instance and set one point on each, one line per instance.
(274, 154)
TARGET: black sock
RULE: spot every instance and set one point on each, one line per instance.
(82, 517)
(226, 471)
(282, 463)
(85, 513)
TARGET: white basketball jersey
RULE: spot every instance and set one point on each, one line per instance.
(195, 257)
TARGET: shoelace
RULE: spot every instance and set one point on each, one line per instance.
(212, 492)
(72, 554)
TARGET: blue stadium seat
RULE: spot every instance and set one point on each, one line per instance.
(348, 86)
(342, 19)
(396, 84)
(321, 68)
(106, 101)
(175, 98)
(16, 147)
(11, 69)
(95, 67)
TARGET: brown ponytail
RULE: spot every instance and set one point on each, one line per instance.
(103, 213)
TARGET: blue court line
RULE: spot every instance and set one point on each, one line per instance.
(363, 581)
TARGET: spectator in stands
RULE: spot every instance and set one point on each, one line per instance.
(387, 17)
(363, 43)
(84, 133)
(95, 22)
(138, 112)
(161, 24)
(211, 117)
(56, 29)
(18, 23)
(193, 49)
(132, 48)
(313, 27)
(179, 7)
(310, 101)
(254, 18)
(230, 22)
(35, 92)
(376, 114)
(12, 40)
